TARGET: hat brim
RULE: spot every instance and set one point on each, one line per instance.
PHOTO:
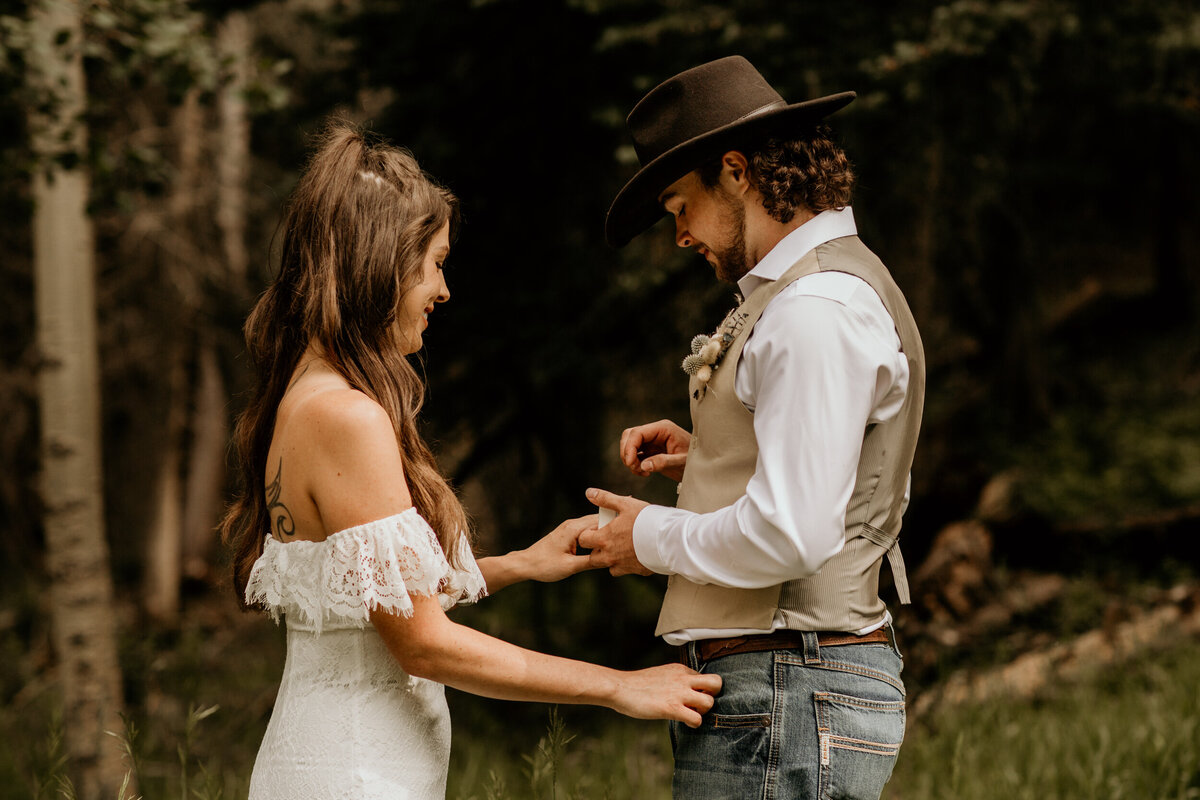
(636, 206)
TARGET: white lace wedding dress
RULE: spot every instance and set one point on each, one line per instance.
(349, 723)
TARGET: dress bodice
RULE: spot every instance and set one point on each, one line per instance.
(348, 721)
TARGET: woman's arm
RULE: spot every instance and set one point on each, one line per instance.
(550, 558)
(354, 474)
(429, 645)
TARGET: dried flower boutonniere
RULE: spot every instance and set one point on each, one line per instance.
(707, 351)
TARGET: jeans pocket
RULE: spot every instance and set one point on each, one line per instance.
(859, 740)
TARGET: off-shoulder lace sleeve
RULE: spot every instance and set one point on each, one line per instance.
(352, 572)
(465, 584)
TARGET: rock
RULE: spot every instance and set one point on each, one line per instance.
(955, 577)
(997, 501)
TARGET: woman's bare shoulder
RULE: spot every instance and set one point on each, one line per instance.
(355, 473)
(339, 409)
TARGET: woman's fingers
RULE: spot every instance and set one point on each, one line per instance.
(690, 718)
(708, 683)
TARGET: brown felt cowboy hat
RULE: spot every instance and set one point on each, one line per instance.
(695, 116)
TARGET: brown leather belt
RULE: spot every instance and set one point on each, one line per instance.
(708, 649)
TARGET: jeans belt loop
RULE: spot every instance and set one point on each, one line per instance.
(812, 650)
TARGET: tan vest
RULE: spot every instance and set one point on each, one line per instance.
(844, 594)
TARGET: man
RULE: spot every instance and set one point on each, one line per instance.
(805, 405)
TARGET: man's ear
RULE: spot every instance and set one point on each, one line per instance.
(734, 166)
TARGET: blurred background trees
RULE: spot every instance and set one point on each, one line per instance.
(1027, 170)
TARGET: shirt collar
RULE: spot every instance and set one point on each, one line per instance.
(824, 227)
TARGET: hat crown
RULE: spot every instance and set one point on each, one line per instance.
(697, 101)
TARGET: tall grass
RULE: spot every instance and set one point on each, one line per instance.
(1129, 731)
(598, 756)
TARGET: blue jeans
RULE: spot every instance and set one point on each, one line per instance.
(813, 722)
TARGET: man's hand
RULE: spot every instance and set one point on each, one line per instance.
(612, 545)
(660, 447)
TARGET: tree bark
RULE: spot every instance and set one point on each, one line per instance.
(164, 547)
(234, 37)
(77, 558)
(204, 498)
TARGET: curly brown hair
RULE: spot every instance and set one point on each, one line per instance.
(810, 172)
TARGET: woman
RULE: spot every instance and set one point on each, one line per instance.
(347, 528)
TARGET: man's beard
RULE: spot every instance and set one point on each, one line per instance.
(731, 261)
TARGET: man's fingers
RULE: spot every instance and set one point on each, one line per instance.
(604, 499)
(631, 442)
(598, 559)
(662, 462)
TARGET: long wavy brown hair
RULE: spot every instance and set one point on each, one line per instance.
(353, 241)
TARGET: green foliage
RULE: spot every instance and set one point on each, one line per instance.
(1129, 731)
(166, 41)
(1097, 468)
(1129, 446)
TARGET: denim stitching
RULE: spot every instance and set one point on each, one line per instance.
(822, 714)
(838, 666)
(741, 720)
(774, 737)
(860, 702)
(874, 748)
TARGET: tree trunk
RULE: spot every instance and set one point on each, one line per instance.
(209, 425)
(77, 557)
(206, 465)
(233, 156)
(164, 545)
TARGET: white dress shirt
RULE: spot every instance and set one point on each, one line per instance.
(822, 363)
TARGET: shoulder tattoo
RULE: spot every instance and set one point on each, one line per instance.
(281, 518)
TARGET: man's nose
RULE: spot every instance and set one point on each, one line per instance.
(682, 237)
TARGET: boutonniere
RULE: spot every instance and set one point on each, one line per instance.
(707, 351)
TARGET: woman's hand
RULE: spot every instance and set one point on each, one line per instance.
(660, 447)
(553, 557)
(671, 691)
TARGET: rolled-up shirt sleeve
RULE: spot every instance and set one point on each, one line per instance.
(816, 371)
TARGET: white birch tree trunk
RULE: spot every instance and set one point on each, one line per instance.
(77, 558)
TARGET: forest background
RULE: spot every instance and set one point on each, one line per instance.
(1027, 170)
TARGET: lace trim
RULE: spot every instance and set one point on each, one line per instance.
(355, 571)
